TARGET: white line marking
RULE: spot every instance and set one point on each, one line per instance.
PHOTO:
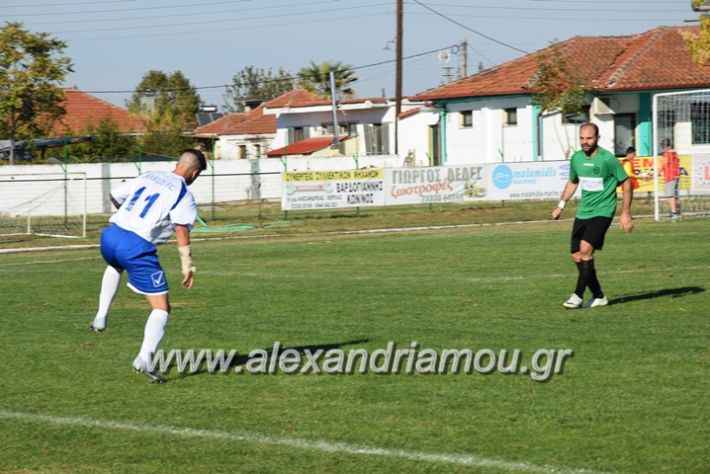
(42, 262)
(304, 235)
(46, 249)
(298, 443)
(393, 230)
(477, 279)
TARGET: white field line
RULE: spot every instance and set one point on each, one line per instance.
(48, 249)
(297, 443)
(316, 234)
(482, 279)
(391, 230)
(42, 262)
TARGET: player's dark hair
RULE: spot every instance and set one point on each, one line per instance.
(197, 154)
(590, 124)
(666, 142)
(630, 150)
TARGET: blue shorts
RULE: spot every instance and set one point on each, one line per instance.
(125, 250)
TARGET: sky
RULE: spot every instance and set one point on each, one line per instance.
(114, 43)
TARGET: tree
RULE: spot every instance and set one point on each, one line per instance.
(168, 103)
(256, 85)
(164, 136)
(556, 85)
(316, 78)
(32, 66)
(107, 142)
(699, 43)
(167, 96)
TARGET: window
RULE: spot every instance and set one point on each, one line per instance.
(700, 122)
(327, 128)
(257, 151)
(511, 116)
(577, 118)
(466, 118)
(242, 152)
(295, 134)
(377, 139)
(664, 128)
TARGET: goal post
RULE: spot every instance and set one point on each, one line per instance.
(48, 204)
(684, 119)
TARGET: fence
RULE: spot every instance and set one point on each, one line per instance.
(683, 118)
(227, 185)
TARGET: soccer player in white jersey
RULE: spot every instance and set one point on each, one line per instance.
(150, 208)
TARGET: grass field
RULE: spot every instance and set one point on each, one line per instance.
(633, 398)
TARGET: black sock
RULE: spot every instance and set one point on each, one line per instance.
(590, 276)
(581, 281)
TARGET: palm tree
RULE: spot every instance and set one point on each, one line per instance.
(316, 78)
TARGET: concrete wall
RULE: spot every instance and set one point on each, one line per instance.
(40, 189)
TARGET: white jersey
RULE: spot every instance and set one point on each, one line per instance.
(153, 204)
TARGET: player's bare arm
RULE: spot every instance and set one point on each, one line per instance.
(567, 194)
(182, 235)
(627, 222)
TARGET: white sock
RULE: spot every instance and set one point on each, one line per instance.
(154, 331)
(109, 286)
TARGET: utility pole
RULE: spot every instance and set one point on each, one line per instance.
(333, 102)
(398, 78)
(464, 54)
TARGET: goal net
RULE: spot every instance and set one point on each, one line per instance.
(683, 118)
(48, 204)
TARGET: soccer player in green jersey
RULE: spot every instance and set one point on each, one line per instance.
(598, 172)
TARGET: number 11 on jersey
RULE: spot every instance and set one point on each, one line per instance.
(148, 199)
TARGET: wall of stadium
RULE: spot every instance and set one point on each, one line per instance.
(243, 180)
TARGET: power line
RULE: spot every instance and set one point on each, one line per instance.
(643, 2)
(220, 30)
(513, 8)
(221, 20)
(64, 4)
(272, 81)
(470, 29)
(557, 19)
(135, 9)
(191, 14)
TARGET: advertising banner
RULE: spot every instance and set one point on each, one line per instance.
(700, 175)
(332, 189)
(464, 183)
(435, 184)
(644, 166)
(535, 180)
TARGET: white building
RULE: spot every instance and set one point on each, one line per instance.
(367, 124)
(242, 135)
(491, 117)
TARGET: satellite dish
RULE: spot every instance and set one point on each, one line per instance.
(444, 56)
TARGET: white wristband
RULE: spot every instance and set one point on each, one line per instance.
(561, 204)
(186, 259)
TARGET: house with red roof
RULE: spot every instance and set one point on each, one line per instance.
(490, 116)
(240, 135)
(83, 109)
(305, 126)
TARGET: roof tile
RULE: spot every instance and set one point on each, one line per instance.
(655, 59)
(83, 109)
(306, 147)
(240, 123)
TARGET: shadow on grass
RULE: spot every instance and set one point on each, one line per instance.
(242, 359)
(672, 292)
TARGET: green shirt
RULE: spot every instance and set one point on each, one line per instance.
(598, 176)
